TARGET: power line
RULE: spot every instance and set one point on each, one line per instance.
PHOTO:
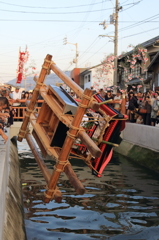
(16, 5)
(140, 32)
(92, 44)
(73, 21)
(140, 22)
(147, 20)
(124, 2)
(4, 10)
(96, 52)
(132, 6)
(39, 20)
(84, 21)
(140, 26)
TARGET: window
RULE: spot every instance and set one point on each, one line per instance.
(124, 74)
(87, 78)
(136, 71)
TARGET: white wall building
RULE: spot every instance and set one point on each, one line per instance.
(94, 77)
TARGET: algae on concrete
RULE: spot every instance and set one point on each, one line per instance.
(143, 156)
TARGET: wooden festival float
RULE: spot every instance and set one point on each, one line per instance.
(65, 128)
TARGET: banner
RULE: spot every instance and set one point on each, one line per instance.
(23, 58)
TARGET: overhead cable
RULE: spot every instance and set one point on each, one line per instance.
(24, 12)
(16, 5)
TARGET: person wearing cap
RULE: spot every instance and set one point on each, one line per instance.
(109, 96)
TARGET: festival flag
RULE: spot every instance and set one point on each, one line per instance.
(23, 58)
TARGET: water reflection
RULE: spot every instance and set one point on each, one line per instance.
(123, 204)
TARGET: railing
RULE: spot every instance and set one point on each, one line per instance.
(20, 112)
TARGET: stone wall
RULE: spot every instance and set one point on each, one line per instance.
(140, 144)
(13, 227)
(142, 135)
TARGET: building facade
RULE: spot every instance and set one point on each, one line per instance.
(93, 77)
(140, 68)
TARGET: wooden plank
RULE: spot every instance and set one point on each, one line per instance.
(43, 137)
(41, 163)
(45, 110)
(53, 121)
(43, 150)
(51, 101)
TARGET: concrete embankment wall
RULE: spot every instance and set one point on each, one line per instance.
(141, 144)
(11, 207)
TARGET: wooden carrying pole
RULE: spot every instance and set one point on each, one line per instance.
(67, 80)
(64, 154)
(44, 71)
(42, 165)
(92, 147)
(75, 182)
(123, 104)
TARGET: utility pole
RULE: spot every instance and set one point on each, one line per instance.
(114, 21)
(116, 44)
(76, 45)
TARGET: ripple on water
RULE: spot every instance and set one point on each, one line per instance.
(119, 206)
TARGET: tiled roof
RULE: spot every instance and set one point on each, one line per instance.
(150, 42)
(144, 44)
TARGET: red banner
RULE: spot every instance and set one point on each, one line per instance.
(23, 57)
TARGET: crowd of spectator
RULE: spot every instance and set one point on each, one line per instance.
(141, 108)
(9, 100)
(144, 107)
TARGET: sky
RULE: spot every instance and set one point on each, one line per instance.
(43, 25)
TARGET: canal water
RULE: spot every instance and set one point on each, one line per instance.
(122, 205)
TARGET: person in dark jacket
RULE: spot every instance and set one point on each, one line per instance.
(148, 107)
(132, 105)
(109, 96)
